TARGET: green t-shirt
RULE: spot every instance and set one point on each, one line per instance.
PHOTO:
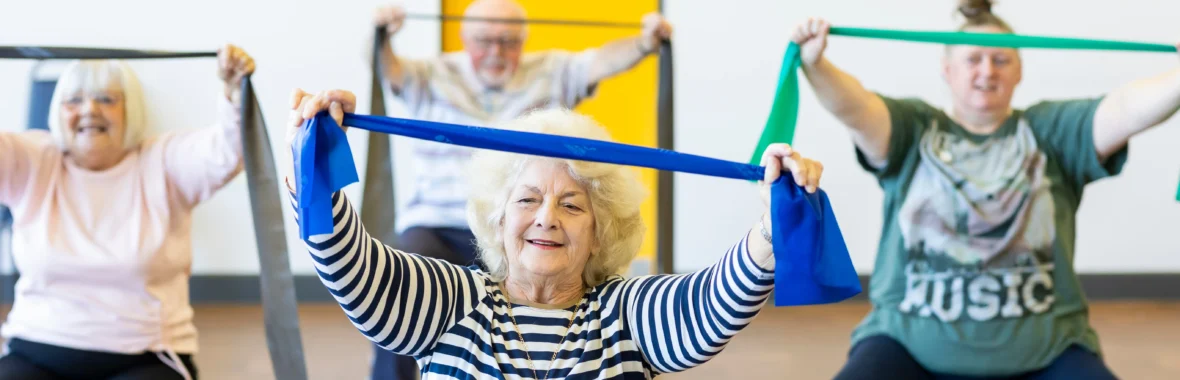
(974, 272)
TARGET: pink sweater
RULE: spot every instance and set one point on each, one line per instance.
(105, 257)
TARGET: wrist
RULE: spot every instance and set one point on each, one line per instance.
(821, 64)
(233, 95)
(764, 229)
(389, 29)
(644, 45)
(811, 65)
(287, 181)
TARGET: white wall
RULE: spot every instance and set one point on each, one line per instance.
(727, 63)
(728, 59)
(315, 45)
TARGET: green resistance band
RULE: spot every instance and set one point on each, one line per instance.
(780, 125)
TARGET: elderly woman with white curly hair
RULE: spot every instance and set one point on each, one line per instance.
(103, 227)
(553, 234)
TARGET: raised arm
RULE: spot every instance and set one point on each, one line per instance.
(391, 17)
(862, 111)
(623, 54)
(409, 80)
(401, 301)
(199, 162)
(1133, 108)
(681, 321)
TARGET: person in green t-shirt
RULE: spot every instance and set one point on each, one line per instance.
(974, 273)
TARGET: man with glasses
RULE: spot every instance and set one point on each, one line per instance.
(491, 80)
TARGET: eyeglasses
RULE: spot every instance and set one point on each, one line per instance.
(503, 42)
(102, 100)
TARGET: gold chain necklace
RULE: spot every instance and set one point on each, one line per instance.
(519, 334)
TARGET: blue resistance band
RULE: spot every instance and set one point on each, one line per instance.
(812, 261)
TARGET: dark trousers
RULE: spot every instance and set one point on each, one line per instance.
(454, 245)
(881, 357)
(28, 360)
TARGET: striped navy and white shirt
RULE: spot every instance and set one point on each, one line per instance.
(456, 322)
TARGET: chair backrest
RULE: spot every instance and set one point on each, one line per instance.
(8, 282)
(5, 221)
(42, 82)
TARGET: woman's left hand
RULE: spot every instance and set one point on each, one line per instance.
(233, 64)
(806, 171)
(656, 29)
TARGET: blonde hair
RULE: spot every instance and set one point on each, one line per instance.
(89, 76)
(615, 196)
(979, 13)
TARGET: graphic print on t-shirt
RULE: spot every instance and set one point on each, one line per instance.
(977, 225)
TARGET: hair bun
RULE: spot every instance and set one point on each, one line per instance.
(975, 8)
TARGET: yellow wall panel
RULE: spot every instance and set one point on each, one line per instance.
(625, 104)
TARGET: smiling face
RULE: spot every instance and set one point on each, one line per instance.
(982, 79)
(548, 223)
(96, 117)
(495, 48)
(95, 127)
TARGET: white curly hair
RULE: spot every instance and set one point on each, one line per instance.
(615, 195)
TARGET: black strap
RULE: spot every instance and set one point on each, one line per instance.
(378, 211)
(59, 52)
(9, 282)
(280, 309)
(597, 24)
(665, 179)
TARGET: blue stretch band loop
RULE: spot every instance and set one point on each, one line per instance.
(812, 264)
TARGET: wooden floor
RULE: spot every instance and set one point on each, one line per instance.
(1141, 339)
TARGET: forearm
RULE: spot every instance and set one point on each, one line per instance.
(378, 286)
(618, 56)
(233, 93)
(862, 111)
(200, 161)
(15, 167)
(1134, 108)
(393, 69)
(839, 92)
(229, 126)
(694, 316)
(761, 250)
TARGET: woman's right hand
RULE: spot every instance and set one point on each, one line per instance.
(812, 38)
(305, 106)
(391, 17)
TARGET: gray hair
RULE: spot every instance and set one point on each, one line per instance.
(615, 195)
(97, 75)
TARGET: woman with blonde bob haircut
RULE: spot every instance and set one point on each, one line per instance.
(553, 235)
(102, 233)
(81, 76)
